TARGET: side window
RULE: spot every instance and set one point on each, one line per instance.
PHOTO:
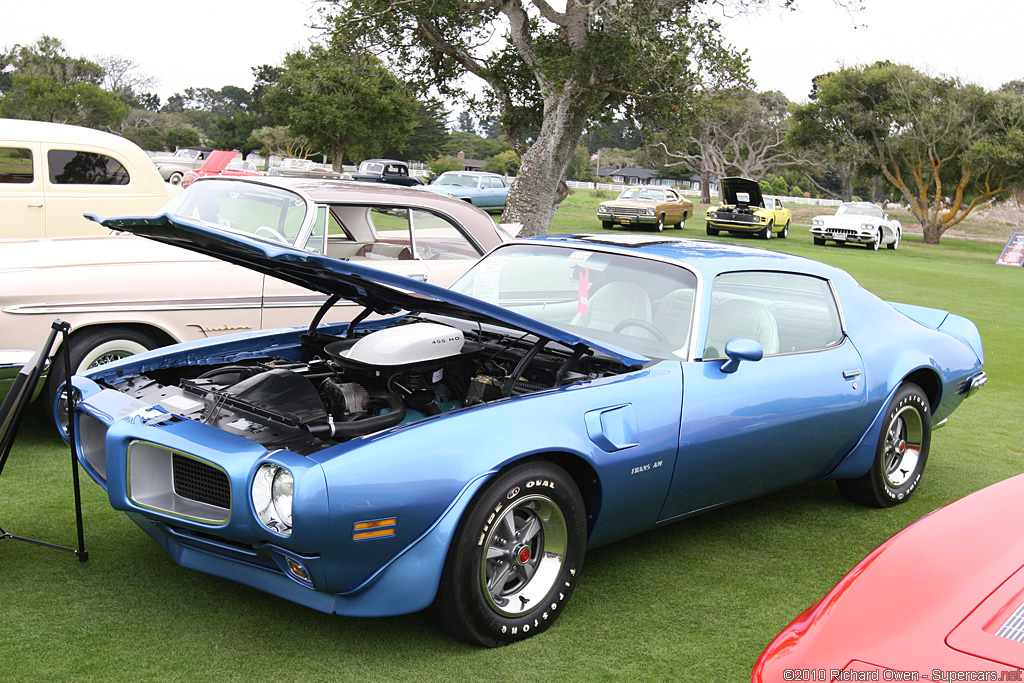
(784, 312)
(16, 165)
(70, 167)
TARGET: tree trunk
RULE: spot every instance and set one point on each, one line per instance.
(705, 187)
(540, 187)
(876, 189)
(932, 232)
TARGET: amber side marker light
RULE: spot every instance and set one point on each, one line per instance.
(298, 570)
(376, 528)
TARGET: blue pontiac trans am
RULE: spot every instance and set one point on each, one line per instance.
(460, 449)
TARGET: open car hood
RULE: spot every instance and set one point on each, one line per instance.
(733, 186)
(383, 292)
(218, 160)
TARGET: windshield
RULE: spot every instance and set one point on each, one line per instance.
(639, 304)
(859, 210)
(642, 193)
(267, 212)
(457, 179)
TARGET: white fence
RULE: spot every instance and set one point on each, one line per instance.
(812, 201)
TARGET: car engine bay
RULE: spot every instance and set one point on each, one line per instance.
(345, 388)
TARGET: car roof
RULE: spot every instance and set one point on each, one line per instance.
(42, 131)
(473, 173)
(707, 257)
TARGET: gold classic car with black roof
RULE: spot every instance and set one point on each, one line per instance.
(647, 206)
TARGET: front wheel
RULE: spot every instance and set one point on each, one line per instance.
(901, 453)
(515, 558)
(175, 178)
(682, 220)
(819, 241)
(606, 225)
(660, 225)
(93, 347)
(712, 231)
(767, 232)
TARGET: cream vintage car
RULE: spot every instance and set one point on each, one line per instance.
(646, 206)
(51, 173)
(123, 295)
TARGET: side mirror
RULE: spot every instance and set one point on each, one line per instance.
(737, 349)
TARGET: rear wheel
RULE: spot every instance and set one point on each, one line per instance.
(515, 558)
(895, 244)
(785, 231)
(901, 453)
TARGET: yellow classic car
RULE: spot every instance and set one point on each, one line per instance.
(654, 206)
(745, 210)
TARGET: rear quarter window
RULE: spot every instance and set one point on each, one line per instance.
(72, 167)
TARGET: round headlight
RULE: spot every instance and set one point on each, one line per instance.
(817, 221)
(272, 490)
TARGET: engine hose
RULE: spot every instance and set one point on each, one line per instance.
(366, 425)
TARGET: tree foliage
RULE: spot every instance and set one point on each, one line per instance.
(344, 101)
(43, 83)
(945, 146)
(737, 132)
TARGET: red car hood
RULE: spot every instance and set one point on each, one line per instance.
(932, 598)
(218, 161)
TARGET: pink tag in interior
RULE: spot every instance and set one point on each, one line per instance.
(581, 300)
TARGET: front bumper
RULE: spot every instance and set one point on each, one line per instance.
(11, 363)
(844, 235)
(626, 219)
(737, 222)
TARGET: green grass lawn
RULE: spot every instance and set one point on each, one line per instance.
(694, 601)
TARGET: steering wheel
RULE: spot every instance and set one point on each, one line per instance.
(642, 324)
(273, 233)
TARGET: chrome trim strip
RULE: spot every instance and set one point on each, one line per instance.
(140, 305)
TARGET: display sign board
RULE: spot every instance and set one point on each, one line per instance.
(1013, 252)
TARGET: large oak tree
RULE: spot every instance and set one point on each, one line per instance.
(550, 71)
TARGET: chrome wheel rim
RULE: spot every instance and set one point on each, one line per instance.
(903, 440)
(524, 554)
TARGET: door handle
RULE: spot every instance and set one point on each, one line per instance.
(36, 206)
(422, 277)
(850, 374)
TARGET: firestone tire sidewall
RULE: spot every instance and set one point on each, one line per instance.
(462, 607)
(907, 397)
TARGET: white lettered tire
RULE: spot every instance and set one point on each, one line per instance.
(515, 558)
(901, 453)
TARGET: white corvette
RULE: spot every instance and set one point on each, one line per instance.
(860, 222)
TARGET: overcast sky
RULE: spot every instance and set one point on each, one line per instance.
(213, 43)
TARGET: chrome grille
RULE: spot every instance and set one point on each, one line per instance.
(1014, 626)
(841, 231)
(200, 482)
(625, 211)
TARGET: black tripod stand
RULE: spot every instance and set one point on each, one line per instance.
(13, 410)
